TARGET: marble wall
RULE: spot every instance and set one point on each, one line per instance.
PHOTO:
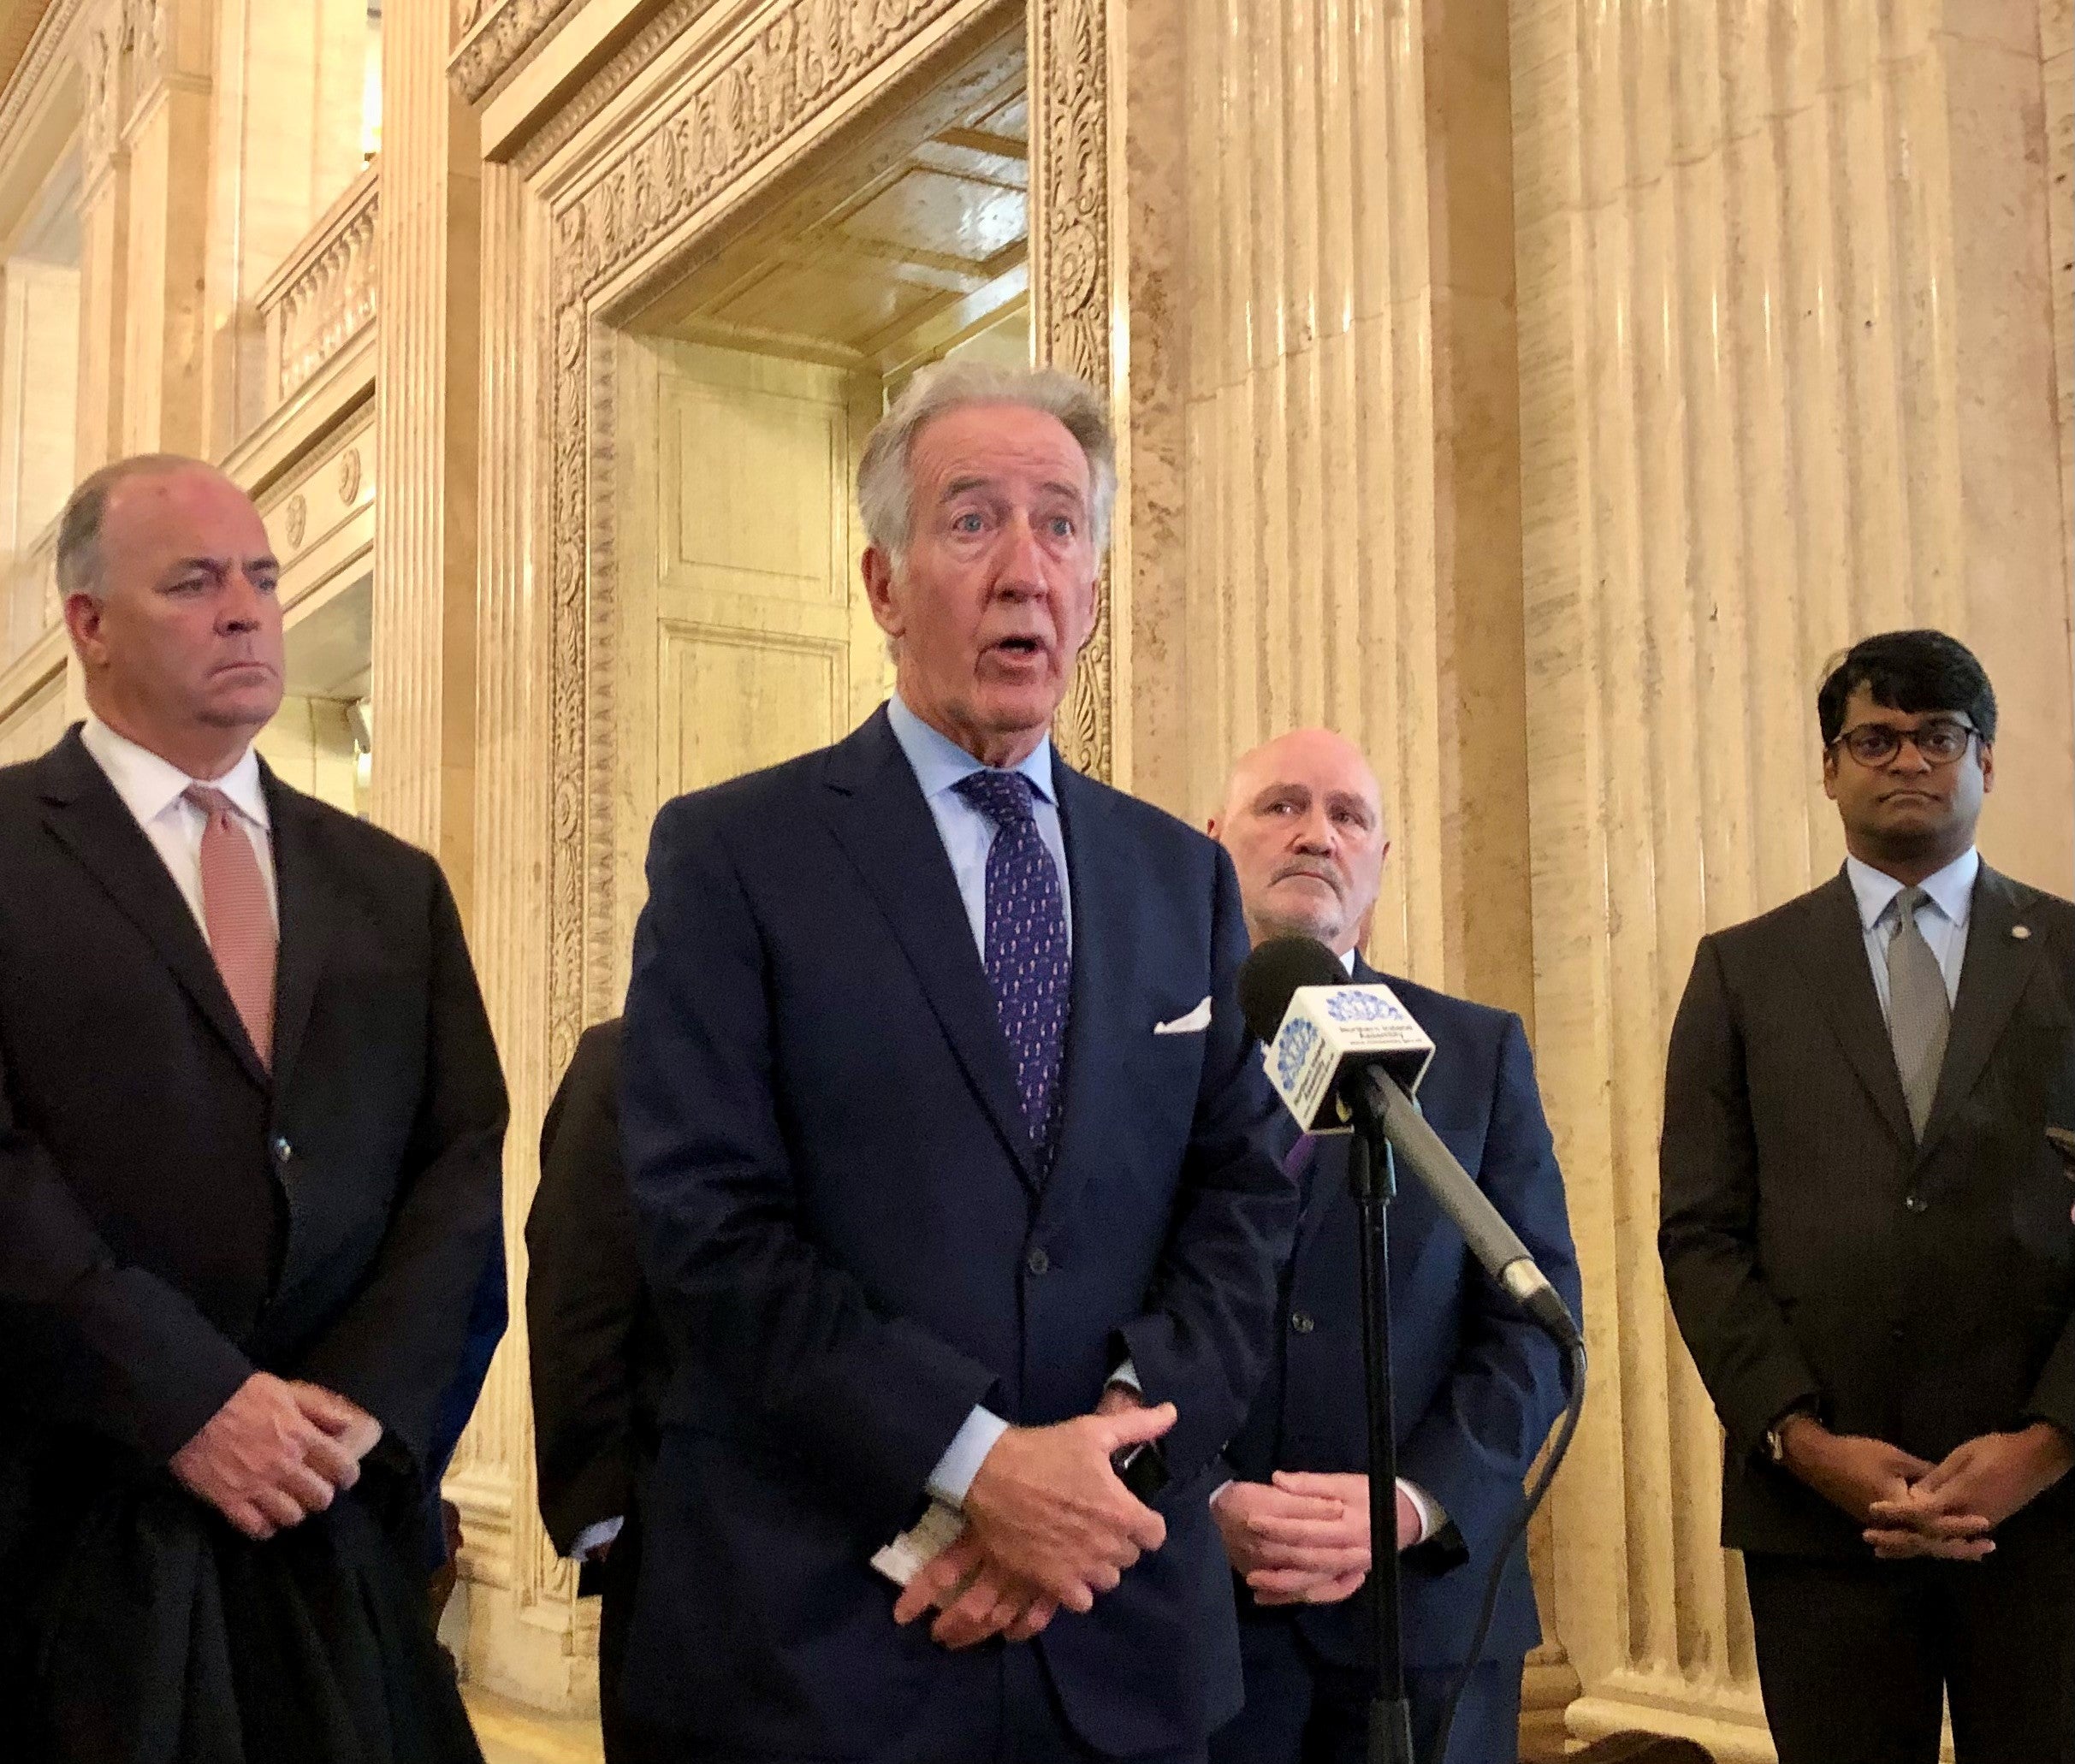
(1539, 390)
(1786, 341)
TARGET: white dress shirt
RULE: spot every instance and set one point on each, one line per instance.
(154, 791)
(1942, 918)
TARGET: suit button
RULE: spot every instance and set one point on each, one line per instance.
(282, 1149)
(1897, 1334)
(1301, 1321)
(1037, 1261)
(1916, 1203)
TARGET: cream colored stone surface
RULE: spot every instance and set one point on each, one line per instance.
(285, 143)
(428, 368)
(1784, 332)
(1539, 391)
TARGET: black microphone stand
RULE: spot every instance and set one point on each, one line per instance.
(1372, 1175)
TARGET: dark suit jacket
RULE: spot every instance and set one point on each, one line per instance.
(1478, 1386)
(598, 1360)
(173, 1217)
(1921, 1294)
(852, 1241)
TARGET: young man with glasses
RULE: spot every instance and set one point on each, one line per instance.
(1866, 1238)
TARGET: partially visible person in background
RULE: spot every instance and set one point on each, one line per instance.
(1478, 1385)
(599, 1363)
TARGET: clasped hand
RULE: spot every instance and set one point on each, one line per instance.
(1047, 1523)
(277, 1452)
(1303, 1539)
(1909, 1507)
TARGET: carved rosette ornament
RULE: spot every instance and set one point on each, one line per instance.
(1070, 287)
(295, 520)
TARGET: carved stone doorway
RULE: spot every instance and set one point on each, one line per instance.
(703, 219)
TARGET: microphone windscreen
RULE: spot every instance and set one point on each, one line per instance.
(1273, 973)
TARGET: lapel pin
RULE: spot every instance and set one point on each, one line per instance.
(2020, 931)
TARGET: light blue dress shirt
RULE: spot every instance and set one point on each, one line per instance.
(967, 835)
(1942, 919)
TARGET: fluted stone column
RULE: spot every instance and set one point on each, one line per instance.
(169, 46)
(1786, 336)
(144, 206)
(1322, 485)
(427, 376)
(1324, 490)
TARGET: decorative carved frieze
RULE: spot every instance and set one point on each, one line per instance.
(497, 37)
(637, 52)
(100, 73)
(1069, 285)
(57, 37)
(325, 294)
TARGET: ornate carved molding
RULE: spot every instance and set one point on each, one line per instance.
(327, 292)
(498, 37)
(55, 38)
(607, 84)
(100, 72)
(1071, 248)
(745, 106)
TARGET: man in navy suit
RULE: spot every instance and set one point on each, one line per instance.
(1478, 1386)
(949, 1157)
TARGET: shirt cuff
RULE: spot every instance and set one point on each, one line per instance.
(960, 1463)
(593, 1537)
(1127, 1375)
(1431, 1517)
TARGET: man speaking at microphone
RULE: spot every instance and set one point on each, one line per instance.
(1478, 1385)
(950, 1172)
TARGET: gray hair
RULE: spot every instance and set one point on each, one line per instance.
(79, 526)
(885, 493)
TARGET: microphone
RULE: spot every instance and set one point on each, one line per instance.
(1336, 1049)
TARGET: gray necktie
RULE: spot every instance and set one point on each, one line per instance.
(1918, 1012)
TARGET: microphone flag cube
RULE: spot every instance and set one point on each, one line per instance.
(1328, 1029)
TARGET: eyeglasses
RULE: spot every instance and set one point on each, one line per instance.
(1941, 741)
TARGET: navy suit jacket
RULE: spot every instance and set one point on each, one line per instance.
(1478, 1386)
(852, 1242)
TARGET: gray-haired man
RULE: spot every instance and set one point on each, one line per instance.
(948, 1164)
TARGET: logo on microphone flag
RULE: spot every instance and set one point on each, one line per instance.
(1324, 1029)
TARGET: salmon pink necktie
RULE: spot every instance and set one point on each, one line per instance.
(241, 922)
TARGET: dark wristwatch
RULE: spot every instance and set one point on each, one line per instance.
(1141, 1468)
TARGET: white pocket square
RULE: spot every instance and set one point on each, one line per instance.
(1194, 1023)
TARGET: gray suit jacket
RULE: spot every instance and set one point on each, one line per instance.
(1920, 1294)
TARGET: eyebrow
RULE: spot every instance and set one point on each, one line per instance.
(1350, 799)
(263, 560)
(959, 486)
(1302, 792)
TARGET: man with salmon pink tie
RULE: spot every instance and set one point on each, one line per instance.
(250, 1124)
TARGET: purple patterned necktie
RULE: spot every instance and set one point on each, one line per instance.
(1027, 956)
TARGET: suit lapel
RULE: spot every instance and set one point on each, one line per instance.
(307, 917)
(876, 810)
(1096, 1030)
(1833, 960)
(83, 811)
(1992, 978)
